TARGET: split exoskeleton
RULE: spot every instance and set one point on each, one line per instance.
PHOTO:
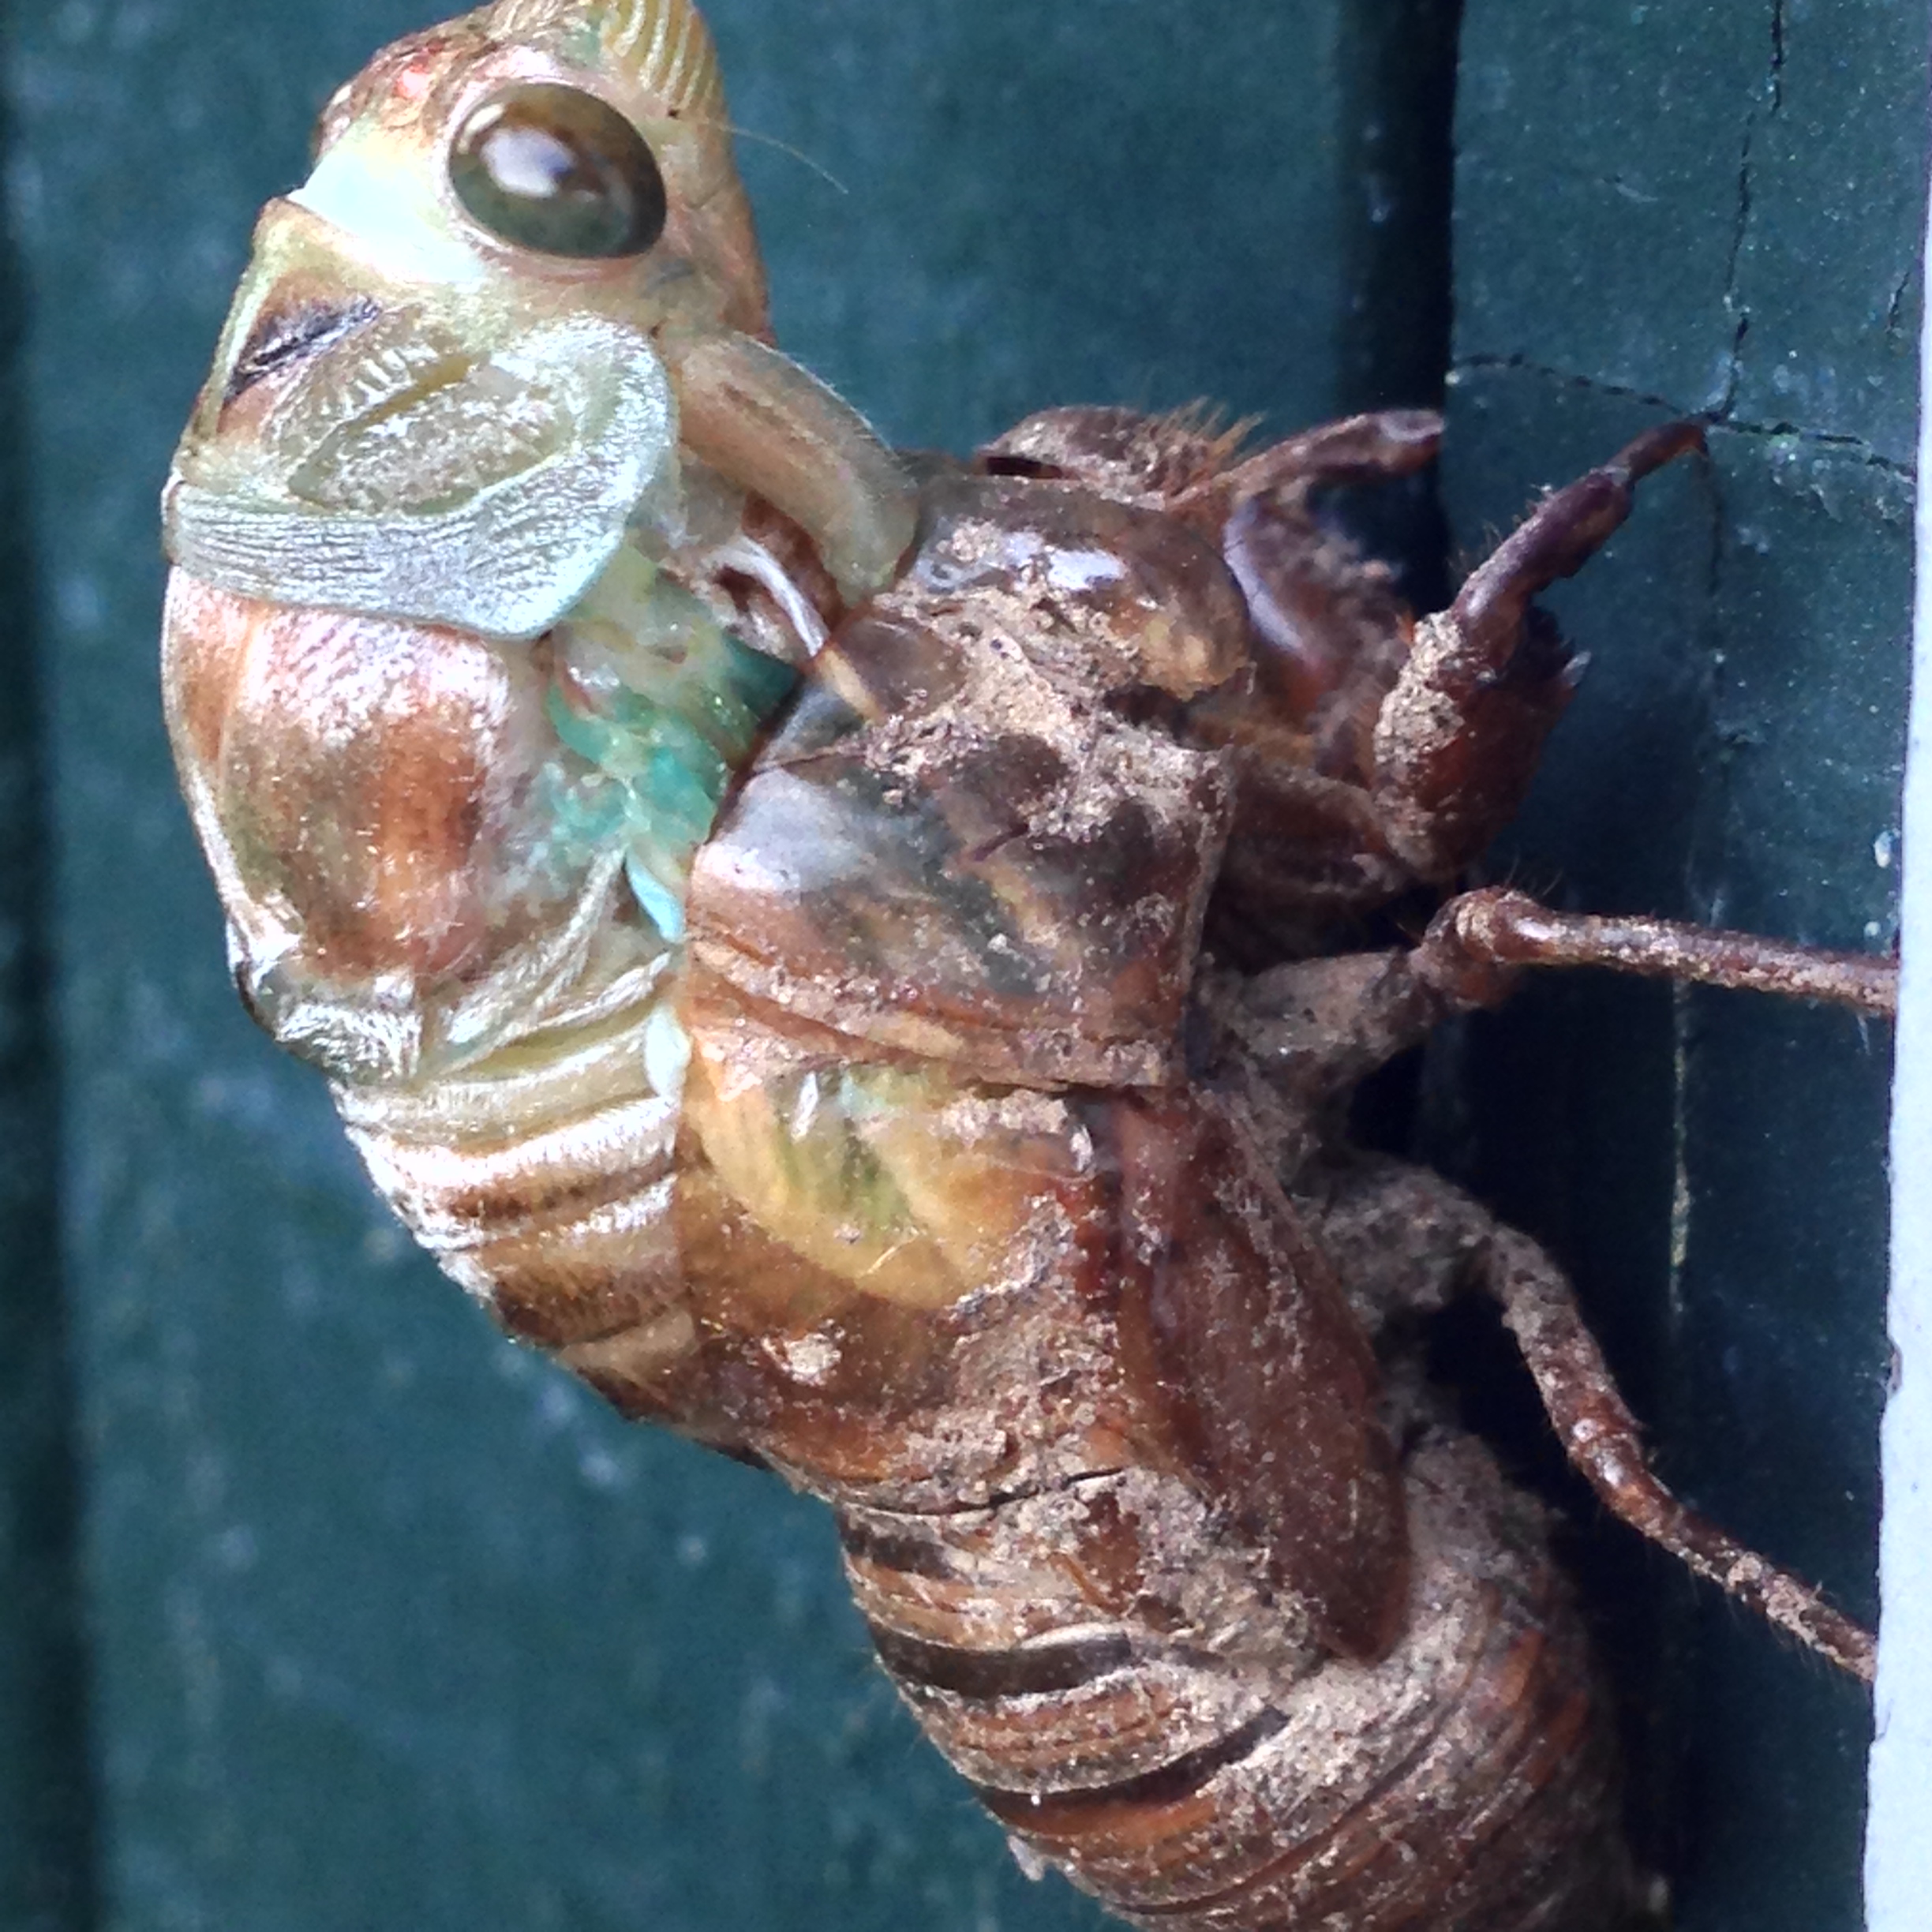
(755, 909)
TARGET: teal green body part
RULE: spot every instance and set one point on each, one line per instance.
(656, 705)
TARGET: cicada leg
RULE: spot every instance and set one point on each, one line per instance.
(1458, 740)
(1479, 938)
(1600, 1437)
(1404, 1238)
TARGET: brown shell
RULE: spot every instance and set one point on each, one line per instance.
(978, 838)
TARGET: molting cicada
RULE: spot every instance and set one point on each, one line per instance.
(755, 900)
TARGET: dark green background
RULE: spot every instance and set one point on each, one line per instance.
(321, 1609)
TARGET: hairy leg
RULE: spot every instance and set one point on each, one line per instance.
(1601, 1438)
(1402, 1237)
(1372, 448)
(1478, 933)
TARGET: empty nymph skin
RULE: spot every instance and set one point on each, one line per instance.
(753, 906)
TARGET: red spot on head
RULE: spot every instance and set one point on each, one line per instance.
(413, 77)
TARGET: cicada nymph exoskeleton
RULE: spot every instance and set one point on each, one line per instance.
(749, 909)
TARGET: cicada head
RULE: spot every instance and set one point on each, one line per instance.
(445, 383)
(451, 672)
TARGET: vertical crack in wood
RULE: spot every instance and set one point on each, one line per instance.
(1772, 101)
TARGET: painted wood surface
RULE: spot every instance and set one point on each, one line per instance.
(386, 1625)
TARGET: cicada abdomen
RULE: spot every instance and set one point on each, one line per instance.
(755, 944)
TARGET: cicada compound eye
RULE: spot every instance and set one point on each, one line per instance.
(555, 170)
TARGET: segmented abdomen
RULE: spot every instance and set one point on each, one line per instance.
(1466, 1780)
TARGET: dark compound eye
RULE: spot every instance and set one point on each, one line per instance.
(556, 170)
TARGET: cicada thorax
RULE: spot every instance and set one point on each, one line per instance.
(974, 861)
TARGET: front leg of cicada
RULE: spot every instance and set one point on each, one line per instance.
(1457, 738)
